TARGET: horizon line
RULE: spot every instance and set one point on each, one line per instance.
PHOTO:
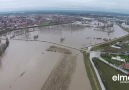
(62, 10)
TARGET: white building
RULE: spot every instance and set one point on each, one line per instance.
(113, 46)
(118, 58)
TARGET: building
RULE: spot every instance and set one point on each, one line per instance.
(118, 58)
(125, 65)
(116, 46)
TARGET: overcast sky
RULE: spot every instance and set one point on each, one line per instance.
(94, 5)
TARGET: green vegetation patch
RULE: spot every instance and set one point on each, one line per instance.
(106, 46)
(125, 47)
(46, 24)
(91, 73)
(106, 72)
(108, 58)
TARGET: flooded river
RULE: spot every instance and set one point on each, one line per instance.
(26, 65)
(75, 36)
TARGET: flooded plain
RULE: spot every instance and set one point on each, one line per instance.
(28, 65)
(75, 36)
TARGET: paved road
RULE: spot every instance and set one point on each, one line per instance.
(97, 54)
(92, 55)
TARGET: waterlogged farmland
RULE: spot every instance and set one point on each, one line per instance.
(32, 63)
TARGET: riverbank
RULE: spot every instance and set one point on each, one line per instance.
(2, 48)
(91, 73)
(107, 44)
(8, 30)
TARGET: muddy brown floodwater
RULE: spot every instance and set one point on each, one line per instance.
(60, 77)
(33, 65)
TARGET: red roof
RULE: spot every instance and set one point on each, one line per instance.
(125, 65)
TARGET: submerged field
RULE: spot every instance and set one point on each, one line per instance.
(28, 64)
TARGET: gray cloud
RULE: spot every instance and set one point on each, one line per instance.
(109, 5)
